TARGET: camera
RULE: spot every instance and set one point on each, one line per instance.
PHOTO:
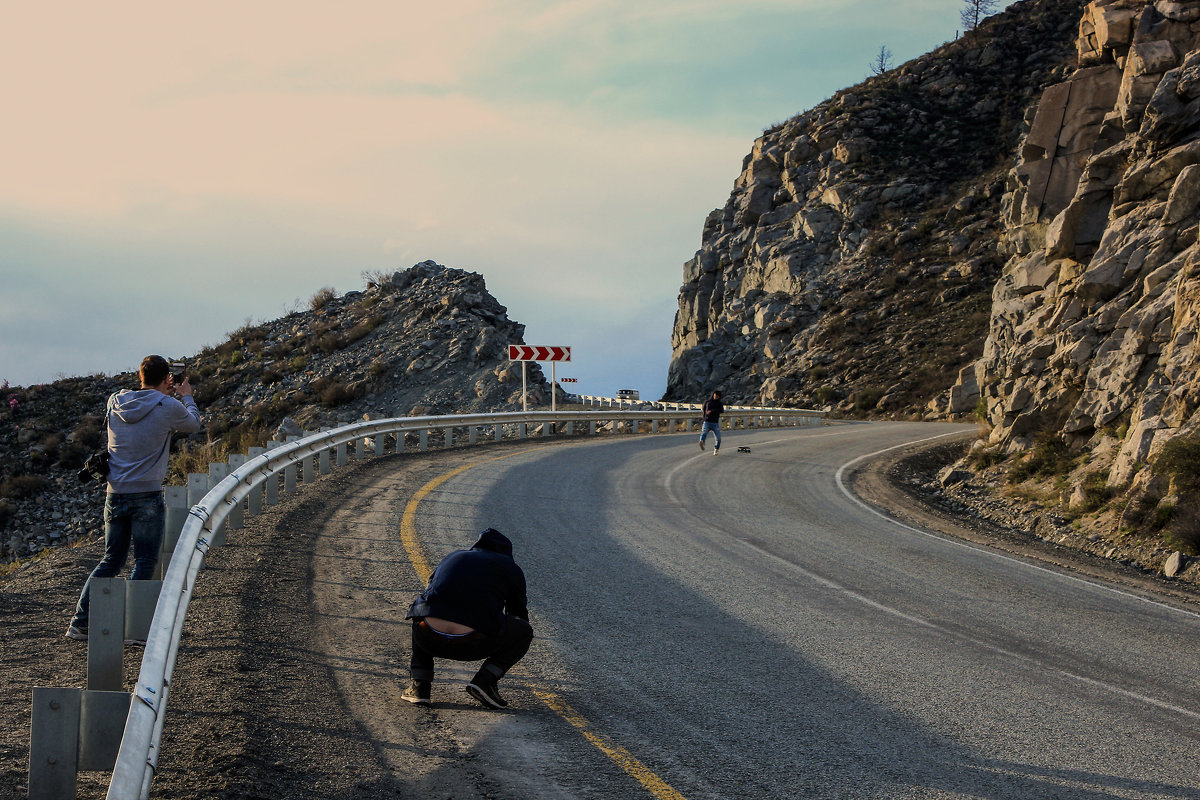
(95, 468)
(177, 372)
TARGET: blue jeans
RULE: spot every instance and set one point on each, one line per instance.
(129, 519)
(715, 427)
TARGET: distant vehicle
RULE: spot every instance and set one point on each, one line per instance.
(628, 394)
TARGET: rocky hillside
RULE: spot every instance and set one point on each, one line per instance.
(852, 266)
(427, 340)
(1092, 349)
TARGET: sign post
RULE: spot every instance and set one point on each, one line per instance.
(525, 352)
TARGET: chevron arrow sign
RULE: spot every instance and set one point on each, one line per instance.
(527, 352)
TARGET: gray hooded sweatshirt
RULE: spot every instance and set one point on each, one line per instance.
(140, 424)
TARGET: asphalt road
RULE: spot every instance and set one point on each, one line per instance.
(742, 626)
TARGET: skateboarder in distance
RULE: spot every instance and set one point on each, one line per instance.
(713, 409)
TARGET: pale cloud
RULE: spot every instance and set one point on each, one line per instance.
(219, 159)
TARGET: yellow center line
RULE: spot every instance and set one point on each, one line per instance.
(622, 757)
(408, 524)
(619, 755)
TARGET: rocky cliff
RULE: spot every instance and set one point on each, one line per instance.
(1094, 320)
(853, 263)
(1092, 343)
(426, 340)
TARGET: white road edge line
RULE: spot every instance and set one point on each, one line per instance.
(840, 478)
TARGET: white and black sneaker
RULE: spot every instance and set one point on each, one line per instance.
(486, 693)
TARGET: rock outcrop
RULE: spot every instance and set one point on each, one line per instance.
(853, 263)
(427, 340)
(1093, 334)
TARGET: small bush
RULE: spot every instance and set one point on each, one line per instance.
(330, 343)
(89, 434)
(1183, 530)
(21, 486)
(866, 399)
(1180, 460)
(322, 298)
(983, 458)
(1048, 457)
(335, 394)
(363, 328)
(1096, 491)
(72, 454)
(50, 445)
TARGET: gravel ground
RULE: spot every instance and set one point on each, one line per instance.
(286, 727)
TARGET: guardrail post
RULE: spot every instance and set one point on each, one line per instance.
(216, 473)
(72, 731)
(547, 429)
(254, 500)
(473, 434)
(521, 430)
(592, 427)
(197, 487)
(236, 517)
(290, 471)
(449, 437)
(308, 466)
(54, 743)
(323, 458)
(380, 440)
(141, 597)
(101, 723)
(106, 634)
(497, 432)
(175, 499)
(272, 482)
(342, 458)
(423, 440)
(570, 427)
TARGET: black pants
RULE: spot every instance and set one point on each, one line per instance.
(500, 651)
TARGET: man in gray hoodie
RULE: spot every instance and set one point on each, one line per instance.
(140, 424)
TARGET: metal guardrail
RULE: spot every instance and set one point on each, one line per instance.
(664, 405)
(138, 755)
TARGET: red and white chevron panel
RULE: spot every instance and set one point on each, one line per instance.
(528, 352)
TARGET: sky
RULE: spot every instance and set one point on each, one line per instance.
(172, 171)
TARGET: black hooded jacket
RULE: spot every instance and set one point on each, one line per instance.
(475, 587)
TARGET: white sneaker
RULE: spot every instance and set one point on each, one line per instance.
(716, 450)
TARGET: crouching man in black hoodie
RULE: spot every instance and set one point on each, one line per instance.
(473, 608)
